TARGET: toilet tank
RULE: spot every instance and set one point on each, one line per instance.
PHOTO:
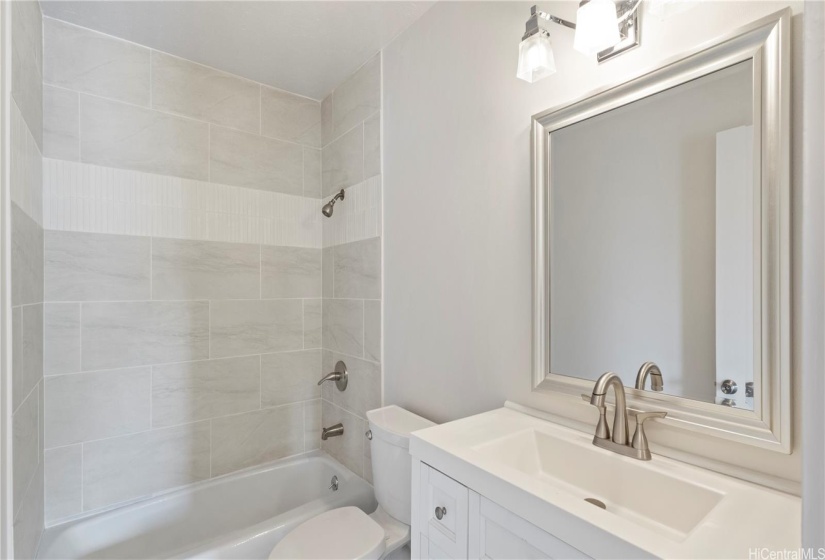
(391, 465)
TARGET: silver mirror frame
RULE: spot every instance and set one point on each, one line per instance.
(767, 43)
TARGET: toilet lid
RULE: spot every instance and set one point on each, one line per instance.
(341, 533)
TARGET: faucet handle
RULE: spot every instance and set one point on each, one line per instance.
(340, 376)
(639, 437)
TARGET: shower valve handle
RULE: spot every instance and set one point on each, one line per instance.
(340, 376)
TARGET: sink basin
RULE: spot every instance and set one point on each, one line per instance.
(665, 503)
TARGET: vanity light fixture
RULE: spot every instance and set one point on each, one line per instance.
(604, 28)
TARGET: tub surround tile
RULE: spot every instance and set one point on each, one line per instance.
(343, 329)
(30, 367)
(343, 162)
(312, 173)
(241, 328)
(290, 377)
(372, 330)
(372, 146)
(203, 93)
(28, 525)
(17, 350)
(312, 425)
(61, 123)
(26, 258)
(358, 97)
(27, 64)
(364, 388)
(287, 116)
(312, 323)
(254, 438)
(186, 270)
(183, 393)
(122, 334)
(119, 135)
(63, 482)
(90, 62)
(326, 120)
(26, 445)
(61, 338)
(357, 269)
(96, 267)
(252, 161)
(327, 264)
(138, 465)
(88, 406)
(290, 272)
(348, 448)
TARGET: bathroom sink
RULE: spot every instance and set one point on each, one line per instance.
(625, 487)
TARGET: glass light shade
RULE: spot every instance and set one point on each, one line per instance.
(535, 58)
(597, 27)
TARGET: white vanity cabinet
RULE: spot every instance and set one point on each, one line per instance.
(451, 521)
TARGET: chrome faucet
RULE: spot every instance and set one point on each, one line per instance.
(651, 369)
(638, 448)
(332, 431)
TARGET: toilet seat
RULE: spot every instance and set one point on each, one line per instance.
(345, 532)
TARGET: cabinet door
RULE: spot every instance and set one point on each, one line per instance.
(499, 534)
(444, 514)
(430, 551)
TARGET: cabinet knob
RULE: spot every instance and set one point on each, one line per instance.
(440, 512)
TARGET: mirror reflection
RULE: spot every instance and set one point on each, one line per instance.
(654, 242)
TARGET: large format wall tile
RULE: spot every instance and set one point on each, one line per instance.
(290, 377)
(63, 482)
(290, 272)
(372, 330)
(250, 439)
(192, 391)
(27, 63)
(141, 333)
(87, 406)
(240, 328)
(26, 258)
(61, 123)
(363, 389)
(312, 173)
(372, 146)
(357, 269)
(119, 135)
(343, 329)
(312, 323)
(343, 162)
(248, 160)
(183, 269)
(96, 267)
(312, 425)
(30, 369)
(61, 338)
(203, 93)
(287, 116)
(348, 448)
(26, 445)
(137, 465)
(28, 525)
(91, 62)
(358, 97)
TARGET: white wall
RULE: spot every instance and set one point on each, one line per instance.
(457, 206)
(633, 237)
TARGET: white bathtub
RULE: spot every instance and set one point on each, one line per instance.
(240, 516)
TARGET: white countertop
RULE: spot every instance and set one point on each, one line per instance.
(746, 518)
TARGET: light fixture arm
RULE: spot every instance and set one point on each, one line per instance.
(554, 19)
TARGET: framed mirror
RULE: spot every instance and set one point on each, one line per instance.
(662, 239)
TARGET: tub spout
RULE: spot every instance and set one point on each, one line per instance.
(332, 431)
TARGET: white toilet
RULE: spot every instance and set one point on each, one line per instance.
(348, 532)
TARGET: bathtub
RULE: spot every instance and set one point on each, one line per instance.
(242, 515)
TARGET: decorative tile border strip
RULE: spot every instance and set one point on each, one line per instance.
(95, 199)
(358, 216)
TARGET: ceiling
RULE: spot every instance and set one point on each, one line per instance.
(302, 47)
